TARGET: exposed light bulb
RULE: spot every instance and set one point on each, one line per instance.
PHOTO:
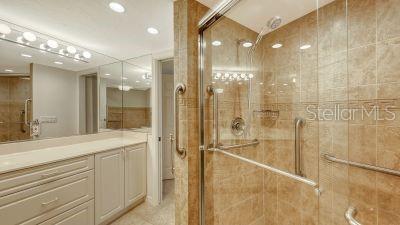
(52, 44)
(4, 29)
(87, 54)
(226, 75)
(251, 75)
(107, 74)
(71, 49)
(243, 75)
(235, 75)
(28, 36)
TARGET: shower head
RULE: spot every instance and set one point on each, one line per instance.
(274, 22)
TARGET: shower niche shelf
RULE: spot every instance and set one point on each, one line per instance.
(272, 114)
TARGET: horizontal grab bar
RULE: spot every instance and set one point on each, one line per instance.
(227, 147)
(361, 165)
(275, 170)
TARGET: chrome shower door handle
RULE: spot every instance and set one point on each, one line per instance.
(349, 215)
(298, 122)
(179, 90)
(26, 111)
(172, 139)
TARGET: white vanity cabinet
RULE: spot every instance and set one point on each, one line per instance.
(109, 181)
(135, 174)
(33, 196)
(86, 190)
(120, 181)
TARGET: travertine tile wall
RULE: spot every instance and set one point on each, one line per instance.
(13, 93)
(232, 187)
(187, 14)
(353, 62)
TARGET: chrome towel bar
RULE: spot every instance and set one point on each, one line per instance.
(272, 169)
(361, 165)
(349, 215)
(227, 147)
(179, 90)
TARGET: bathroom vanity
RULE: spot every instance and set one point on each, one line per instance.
(86, 183)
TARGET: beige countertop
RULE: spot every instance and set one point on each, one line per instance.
(26, 159)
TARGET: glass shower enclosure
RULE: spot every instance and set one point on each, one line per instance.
(298, 112)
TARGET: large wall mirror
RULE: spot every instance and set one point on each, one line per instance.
(50, 88)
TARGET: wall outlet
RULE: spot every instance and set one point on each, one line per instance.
(48, 119)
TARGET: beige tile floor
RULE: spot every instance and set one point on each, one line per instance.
(145, 214)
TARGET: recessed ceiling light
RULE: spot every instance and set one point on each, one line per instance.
(216, 43)
(138, 81)
(304, 47)
(26, 55)
(59, 63)
(116, 7)
(152, 30)
(124, 78)
(277, 45)
(107, 74)
(261, 83)
(29, 36)
(4, 29)
(247, 44)
(87, 54)
(9, 71)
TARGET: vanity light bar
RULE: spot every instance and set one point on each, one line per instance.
(232, 76)
(27, 39)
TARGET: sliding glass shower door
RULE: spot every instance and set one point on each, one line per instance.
(299, 113)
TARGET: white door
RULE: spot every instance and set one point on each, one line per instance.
(109, 180)
(167, 125)
(135, 173)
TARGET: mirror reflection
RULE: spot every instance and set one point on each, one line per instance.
(50, 88)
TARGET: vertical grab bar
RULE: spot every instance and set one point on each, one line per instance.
(26, 112)
(298, 122)
(179, 90)
(212, 91)
(349, 215)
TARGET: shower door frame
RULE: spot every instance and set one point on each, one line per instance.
(206, 22)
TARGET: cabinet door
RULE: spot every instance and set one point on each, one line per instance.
(109, 180)
(135, 173)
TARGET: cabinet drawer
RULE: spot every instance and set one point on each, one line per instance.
(80, 215)
(37, 204)
(20, 180)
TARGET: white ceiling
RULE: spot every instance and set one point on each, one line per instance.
(91, 23)
(254, 14)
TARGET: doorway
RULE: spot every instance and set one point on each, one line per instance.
(167, 71)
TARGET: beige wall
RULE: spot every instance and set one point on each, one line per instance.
(55, 93)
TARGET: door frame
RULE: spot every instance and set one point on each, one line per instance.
(156, 178)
